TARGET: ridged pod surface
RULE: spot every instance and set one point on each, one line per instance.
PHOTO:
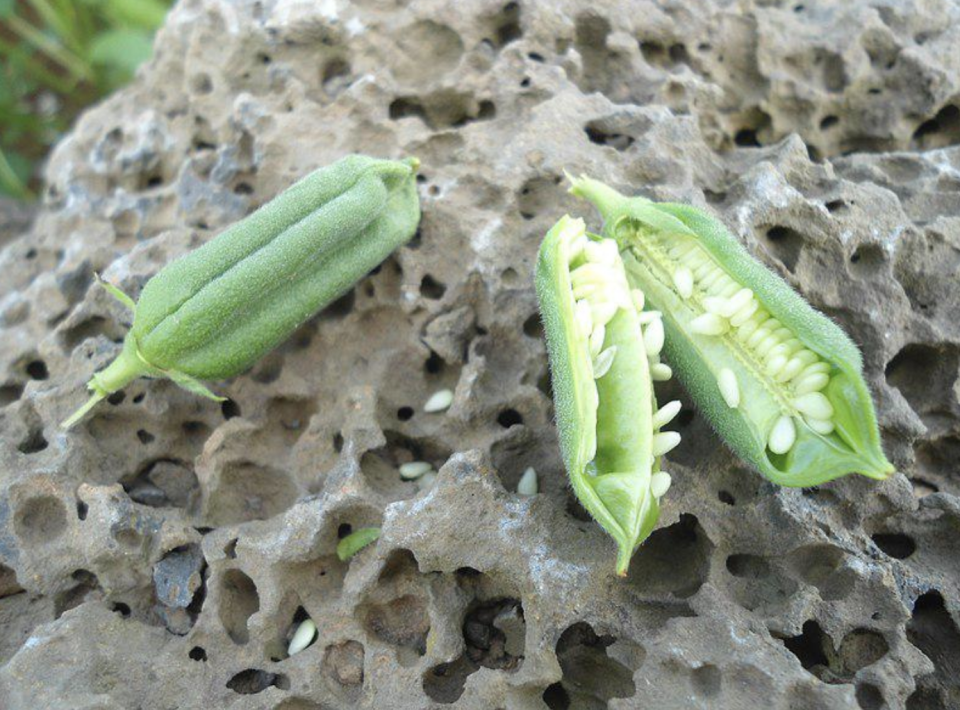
(781, 383)
(214, 312)
(604, 355)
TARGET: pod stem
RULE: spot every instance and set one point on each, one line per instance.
(127, 367)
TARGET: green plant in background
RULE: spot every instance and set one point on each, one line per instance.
(215, 311)
(56, 57)
(780, 382)
(604, 356)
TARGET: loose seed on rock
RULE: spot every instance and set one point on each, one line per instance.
(528, 485)
(302, 637)
(439, 401)
(414, 469)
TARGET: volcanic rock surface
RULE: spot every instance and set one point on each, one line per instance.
(161, 554)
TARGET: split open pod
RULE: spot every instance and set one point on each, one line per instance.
(604, 356)
(780, 382)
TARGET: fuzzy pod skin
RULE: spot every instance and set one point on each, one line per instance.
(600, 363)
(214, 312)
(780, 382)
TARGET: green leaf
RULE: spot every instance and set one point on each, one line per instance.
(121, 51)
(6, 8)
(356, 541)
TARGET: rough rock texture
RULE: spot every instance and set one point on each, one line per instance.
(161, 554)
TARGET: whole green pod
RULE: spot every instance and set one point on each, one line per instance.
(781, 383)
(214, 312)
(604, 356)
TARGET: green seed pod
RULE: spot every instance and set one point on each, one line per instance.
(214, 312)
(780, 382)
(604, 355)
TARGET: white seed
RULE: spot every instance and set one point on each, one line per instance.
(638, 298)
(664, 442)
(660, 372)
(603, 310)
(715, 305)
(820, 426)
(612, 249)
(759, 335)
(645, 317)
(596, 340)
(653, 337)
(414, 469)
(659, 484)
(683, 280)
(729, 389)
(783, 435)
(302, 637)
(763, 348)
(815, 368)
(792, 367)
(666, 413)
(591, 274)
(708, 324)
(603, 362)
(814, 405)
(576, 247)
(439, 401)
(713, 281)
(584, 319)
(727, 287)
(585, 291)
(747, 329)
(744, 314)
(811, 383)
(776, 364)
(528, 483)
(737, 301)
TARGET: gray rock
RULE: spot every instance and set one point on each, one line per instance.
(824, 134)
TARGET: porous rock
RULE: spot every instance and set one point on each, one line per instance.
(162, 553)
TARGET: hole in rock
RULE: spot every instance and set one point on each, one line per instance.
(533, 327)
(253, 681)
(343, 664)
(37, 370)
(932, 629)
(405, 413)
(810, 647)
(508, 418)
(896, 545)
(432, 289)
(239, 601)
(33, 443)
(591, 678)
(706, 681)
(198, 653)
(229, 409)
(785, 244)
(674, 560)
(39, 520)
(869, 697)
